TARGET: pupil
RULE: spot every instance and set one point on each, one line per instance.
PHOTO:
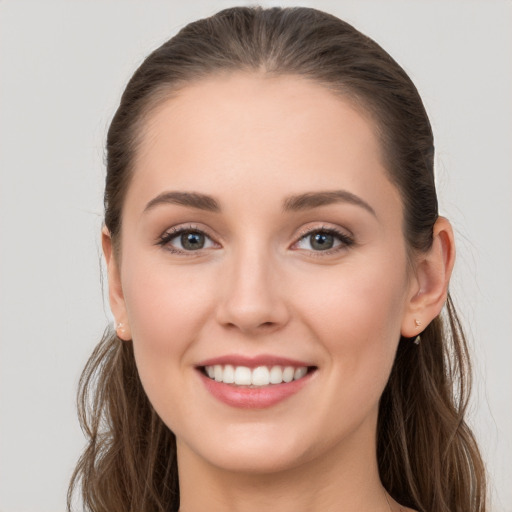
(192, 241)
(322, 241)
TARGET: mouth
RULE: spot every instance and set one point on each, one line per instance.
(254, 383)
(257, 377)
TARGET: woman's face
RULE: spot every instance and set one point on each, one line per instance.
(260, 231)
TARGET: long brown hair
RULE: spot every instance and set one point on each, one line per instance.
(427, 456)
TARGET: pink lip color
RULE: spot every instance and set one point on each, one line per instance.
(253, 362)
(253, 398)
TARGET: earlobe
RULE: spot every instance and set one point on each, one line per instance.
(115, 290)
(432, 276)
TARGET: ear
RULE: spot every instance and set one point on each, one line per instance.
(115, 290)
(430, 283)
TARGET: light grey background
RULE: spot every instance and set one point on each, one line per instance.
(63, 67)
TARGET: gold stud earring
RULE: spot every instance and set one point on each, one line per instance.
(417, 322)
(120, 328)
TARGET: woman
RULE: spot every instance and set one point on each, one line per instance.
(277, 269)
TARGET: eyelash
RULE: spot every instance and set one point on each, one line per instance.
(171, 234)
(346, 240)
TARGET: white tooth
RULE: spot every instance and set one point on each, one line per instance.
(242, 376)
(276, 375)
(210, 371)
(261, 376)
(229, 374)
(288, 373)
(218, 372)
(300, 372)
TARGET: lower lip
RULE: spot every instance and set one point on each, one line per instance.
(254, 398)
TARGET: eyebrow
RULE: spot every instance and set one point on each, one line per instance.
(298, 202)
(316, 199)
(191, 199)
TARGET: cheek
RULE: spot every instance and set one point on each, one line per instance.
(167, 307)
(165, 303)
(357, 298)
(356, 314)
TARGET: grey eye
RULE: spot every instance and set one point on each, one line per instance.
(186, 240)
(192, 240)
(321, 241)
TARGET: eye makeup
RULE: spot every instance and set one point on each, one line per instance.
(189, 239)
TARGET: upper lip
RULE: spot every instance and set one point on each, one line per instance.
(253, 361)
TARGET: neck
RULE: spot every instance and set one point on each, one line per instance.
(346, 478)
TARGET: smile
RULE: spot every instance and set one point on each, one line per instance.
(255, 377)
(254, 383)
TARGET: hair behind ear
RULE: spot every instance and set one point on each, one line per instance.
(422, 435)
(123, 468)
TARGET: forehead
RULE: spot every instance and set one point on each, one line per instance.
(238, 103)
(253, 132)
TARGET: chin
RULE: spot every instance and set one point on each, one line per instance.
(257, 461)
(260, 449)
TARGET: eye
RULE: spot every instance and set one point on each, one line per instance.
(324, 239)
(188, 239)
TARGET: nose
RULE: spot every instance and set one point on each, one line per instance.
(253, 294)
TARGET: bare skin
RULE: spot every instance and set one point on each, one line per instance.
(257, 282)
